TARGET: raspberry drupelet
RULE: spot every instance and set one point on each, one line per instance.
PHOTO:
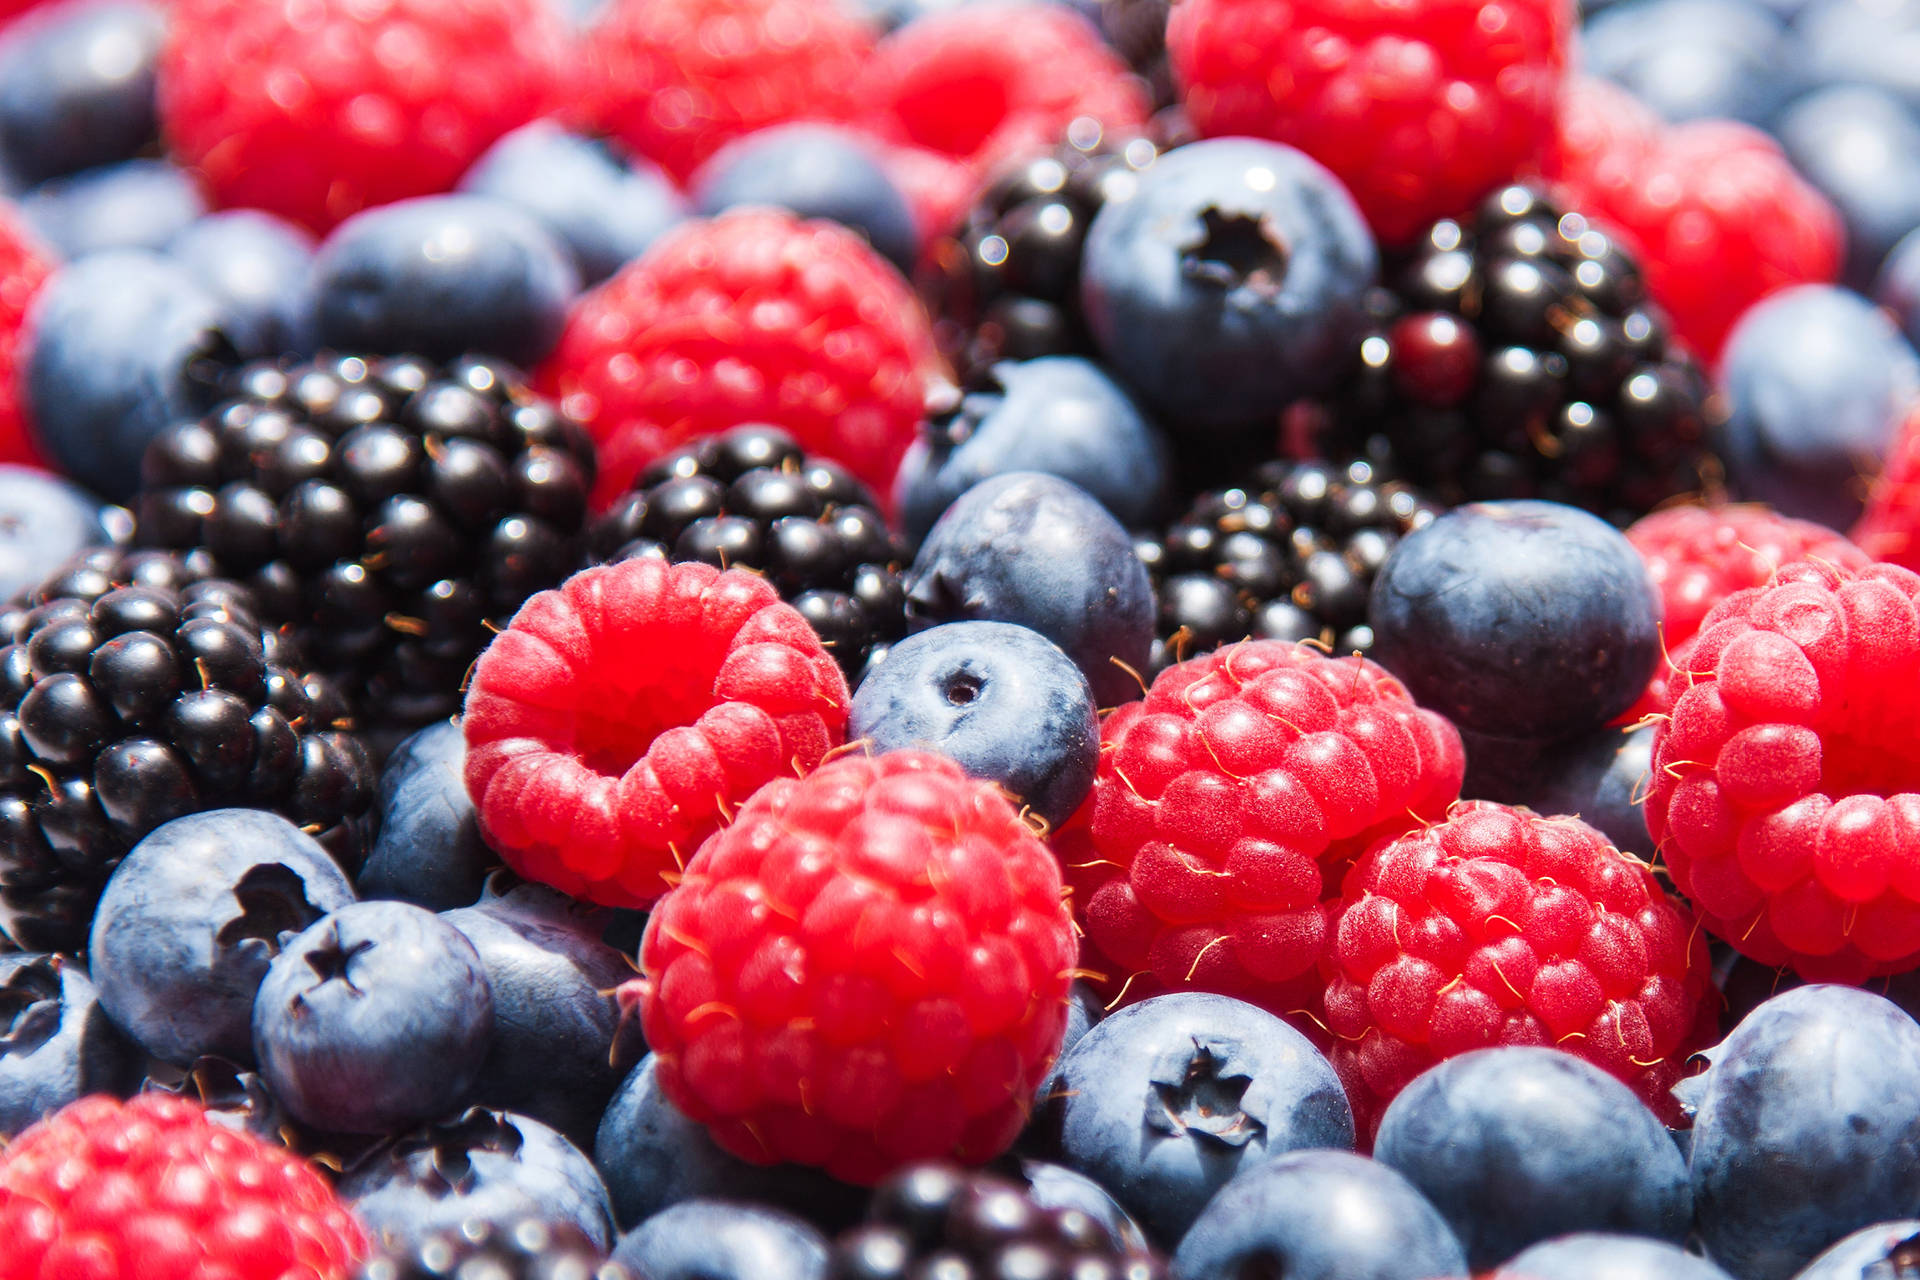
(1501, 927)
(614, 725)
(24, 266)
(1786, 783)
(1229, 803)
(868, 967)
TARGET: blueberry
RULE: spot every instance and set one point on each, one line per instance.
(555, 1017)
(1058, 414)
(653, 1157)
(191, 920)
(76, 86)
(1600, 777)
(1883, 1251)
(1816, 378)
(1898, 286)
(44, 522)
(1230, 284)
(1000, 700)
(1518, 1145)
(817, 171)
(429, 851)
(1860, 42)
(490, 1166)
(1596, 1256)
(720, 1240)
(1319, 1215)
(136, 204)
(1694, 59)
(440, 277)
(258, 266)
(1084, 1012)
(605, 211)
(1518, 619)
(1799, 1122)
(375, 1018)
(1164, 1101)
(1861, 147)
(56, 1043)
(1036, 550)
(124, 346)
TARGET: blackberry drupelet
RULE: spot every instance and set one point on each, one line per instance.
(943, 1223)
(527, 1249)
(387, 509)
(750, 499)
(137, 688)
(1517, 355)
(1289, 557)
(1006, 284)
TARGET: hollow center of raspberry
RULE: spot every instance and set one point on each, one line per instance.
(633, 702)
(955, 112)
(1236, 250)
(1868, 765)
(1203, 1097)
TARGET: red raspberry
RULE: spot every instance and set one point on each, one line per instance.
(1420, 106)
(613, 725)
(748, 317)
(1500, 927)
(24, 267)
(678, 79)
(1228, 804)
(867, 968)
(1698, 556)
(316, 109)
(1889, 528)
(1784, 785)
(1712, 210)
(152, 1187)
(987, 85)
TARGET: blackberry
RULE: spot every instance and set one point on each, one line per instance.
(750, 499)
(1517, 355)
(138, 687)
(388, 510)
(1289, 557)
(943, 1223)
(1006, 284)
(526, 1249)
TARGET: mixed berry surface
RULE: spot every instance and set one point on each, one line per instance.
(959, 640)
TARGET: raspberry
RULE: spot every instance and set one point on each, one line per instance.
(677, 79)
(748, 317)
(1889, 528)
(987, 86)
(1420, 108)
(1786, 785)
(1228, 803)
(1500, 927)
(24, 267)
(153, 1187)
(315, 109)
(867, 968)
(611, 728)
(1698, 556)
(1711, 209)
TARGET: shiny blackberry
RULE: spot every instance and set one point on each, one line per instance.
(750, 499)
(527, 1249)
(389, 510)
(1517, 355)
(1006, 284)
(1290, 556)
(938, 1222)
(138, 687)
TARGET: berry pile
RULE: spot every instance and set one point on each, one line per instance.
(928, 640)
